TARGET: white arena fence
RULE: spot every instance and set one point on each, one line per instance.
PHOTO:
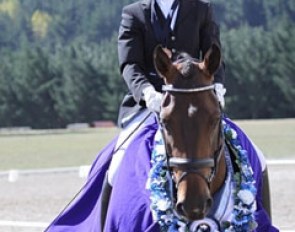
(13, 174)
(82, 172)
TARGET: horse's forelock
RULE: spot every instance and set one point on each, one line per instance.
(186, 67)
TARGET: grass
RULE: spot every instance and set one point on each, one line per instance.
(276, 137)
(54, 148)
(63, 148)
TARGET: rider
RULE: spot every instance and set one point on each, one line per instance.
(186, 26)
(178, 25)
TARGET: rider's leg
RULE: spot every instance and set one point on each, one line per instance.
(125, 137)
(266, 198)
(105, 197)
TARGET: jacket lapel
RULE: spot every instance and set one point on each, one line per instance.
(184, 8)
(146, 5)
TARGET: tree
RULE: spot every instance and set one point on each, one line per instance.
(259, 77)
(58, 62)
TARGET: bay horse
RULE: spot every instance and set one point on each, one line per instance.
(202, 150)
(191, 122)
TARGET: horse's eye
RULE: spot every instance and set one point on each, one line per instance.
(164, 122)
(167, 100)
(167, 107)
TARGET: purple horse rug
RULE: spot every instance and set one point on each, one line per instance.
(130, 201)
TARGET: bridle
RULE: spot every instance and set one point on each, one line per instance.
(191, 165)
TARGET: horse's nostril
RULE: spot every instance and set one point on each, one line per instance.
(209, 203)
(195, 212)
(180, 209)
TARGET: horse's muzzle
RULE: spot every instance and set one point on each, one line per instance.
(194, 212)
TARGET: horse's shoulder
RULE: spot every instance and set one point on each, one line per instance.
(135, 6)
(134, 12)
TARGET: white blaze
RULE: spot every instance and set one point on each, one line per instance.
(192, 110)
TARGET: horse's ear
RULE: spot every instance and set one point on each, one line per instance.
(162, 62)
(212, 59)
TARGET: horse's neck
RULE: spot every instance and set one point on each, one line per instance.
(219, 178)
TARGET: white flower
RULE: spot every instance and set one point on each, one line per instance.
(148, 183)
(181, 226)
(168, 218)
(161, 151)
(246, 196)
(158, 136)
(233, 134)
(163, 204)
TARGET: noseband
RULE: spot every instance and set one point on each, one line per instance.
(191, 165)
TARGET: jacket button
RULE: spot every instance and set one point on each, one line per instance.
(173, 38)
(173, 50)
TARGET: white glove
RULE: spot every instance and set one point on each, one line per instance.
(153, 99)
(220, 92)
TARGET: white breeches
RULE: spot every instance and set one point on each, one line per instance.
(130, 130)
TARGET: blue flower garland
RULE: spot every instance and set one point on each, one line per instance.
(160, 185)
(243, 219)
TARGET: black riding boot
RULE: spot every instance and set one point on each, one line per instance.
(266, 198)
(105, 197)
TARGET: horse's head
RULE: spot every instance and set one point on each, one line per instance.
(191, 122)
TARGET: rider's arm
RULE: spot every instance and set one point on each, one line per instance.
(131, 54)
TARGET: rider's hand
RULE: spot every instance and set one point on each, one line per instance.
(220, 92)
(153, 99)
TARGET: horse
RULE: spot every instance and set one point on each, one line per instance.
(192, 129)
(188, 169)
(202, 149)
